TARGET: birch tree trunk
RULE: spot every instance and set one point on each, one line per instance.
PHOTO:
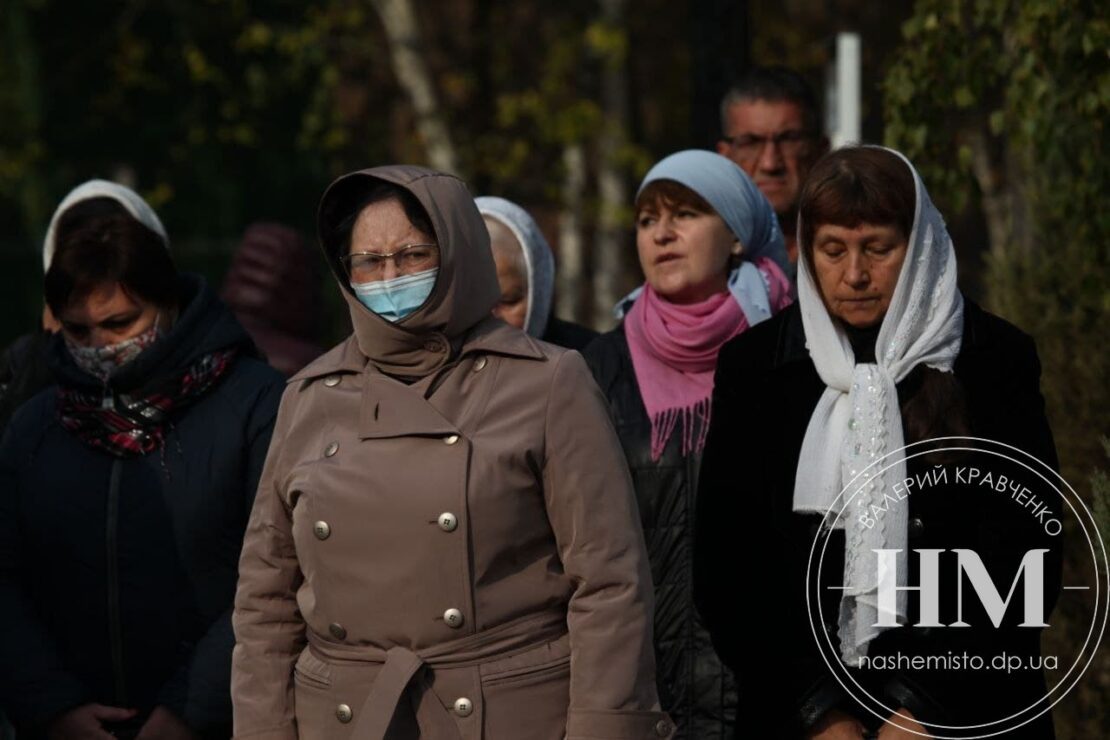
(571, 273)
(611, 188)
(406, 49)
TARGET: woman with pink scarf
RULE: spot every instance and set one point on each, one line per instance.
(714, 264)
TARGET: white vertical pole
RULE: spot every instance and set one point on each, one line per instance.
(845, 104)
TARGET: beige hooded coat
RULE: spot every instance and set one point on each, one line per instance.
(458, 557)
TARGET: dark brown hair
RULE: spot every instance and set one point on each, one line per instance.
(853, 186)
(98, 242)
(672, 195)
(675, 195)
(774, 84)
(869, 185)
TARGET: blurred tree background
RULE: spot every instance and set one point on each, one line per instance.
(1005, 103)
(225, 112)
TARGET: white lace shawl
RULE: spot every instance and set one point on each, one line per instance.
(854, 438)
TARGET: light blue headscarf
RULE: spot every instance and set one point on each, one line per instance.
(539, 263)
(746, 212)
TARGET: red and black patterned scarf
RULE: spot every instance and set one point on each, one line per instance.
(133, 425)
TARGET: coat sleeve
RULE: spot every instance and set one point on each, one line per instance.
(269, 631)
(198, 691)
(592, 509)
(35, 684)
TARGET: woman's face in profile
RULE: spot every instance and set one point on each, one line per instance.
(508, 258)
(857, 270)
(684, 252)
(106, 315)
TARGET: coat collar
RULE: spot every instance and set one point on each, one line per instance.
(489, 336)
(345, 357)
(494, 336)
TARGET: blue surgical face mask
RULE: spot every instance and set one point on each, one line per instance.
(395, 299)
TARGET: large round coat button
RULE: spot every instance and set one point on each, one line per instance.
(344, 714)
(463, 706)
(448, 522)
(480, 364)
(331, 381)
(331, 449)
(453, 618)
(433, 345)
(322, 530)
(662, 728)
(450, 439)
(337, 631)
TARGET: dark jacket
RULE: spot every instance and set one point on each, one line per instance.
(23, 372)
(567, 334)
(117, 574)
(694, 687)
(752, 550)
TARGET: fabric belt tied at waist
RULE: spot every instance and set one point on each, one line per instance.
(400, 665)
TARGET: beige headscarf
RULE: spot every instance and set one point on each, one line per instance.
(466, 288)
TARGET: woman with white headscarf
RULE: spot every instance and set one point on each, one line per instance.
(714, 265)
(526, 275)
(125, 489)
(881, 351)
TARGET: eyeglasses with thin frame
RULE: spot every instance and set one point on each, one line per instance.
(750, 147)
(368, 267)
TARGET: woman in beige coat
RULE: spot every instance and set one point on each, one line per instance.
(445, 542)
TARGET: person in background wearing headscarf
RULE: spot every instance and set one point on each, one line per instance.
(273, 289)
(125, 489)
(445, 542)
(24, 370)
(880, 351)
(526, 274)
(714, 265)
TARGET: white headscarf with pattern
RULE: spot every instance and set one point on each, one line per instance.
(857, 421)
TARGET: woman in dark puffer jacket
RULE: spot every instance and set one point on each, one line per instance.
(125, 489)
(713, 258)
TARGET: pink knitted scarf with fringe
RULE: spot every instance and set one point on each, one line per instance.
(674, 354)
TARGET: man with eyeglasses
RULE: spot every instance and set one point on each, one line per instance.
(770, 126)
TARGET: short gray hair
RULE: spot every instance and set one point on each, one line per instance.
(774, 84)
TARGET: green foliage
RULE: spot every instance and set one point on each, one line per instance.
(1004, 102)
(191, 99)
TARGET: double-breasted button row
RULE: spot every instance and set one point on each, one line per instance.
(463, 706)
(453, 618)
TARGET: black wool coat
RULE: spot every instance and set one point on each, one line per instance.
(694, 686)
(117, 575)
(752, 554)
